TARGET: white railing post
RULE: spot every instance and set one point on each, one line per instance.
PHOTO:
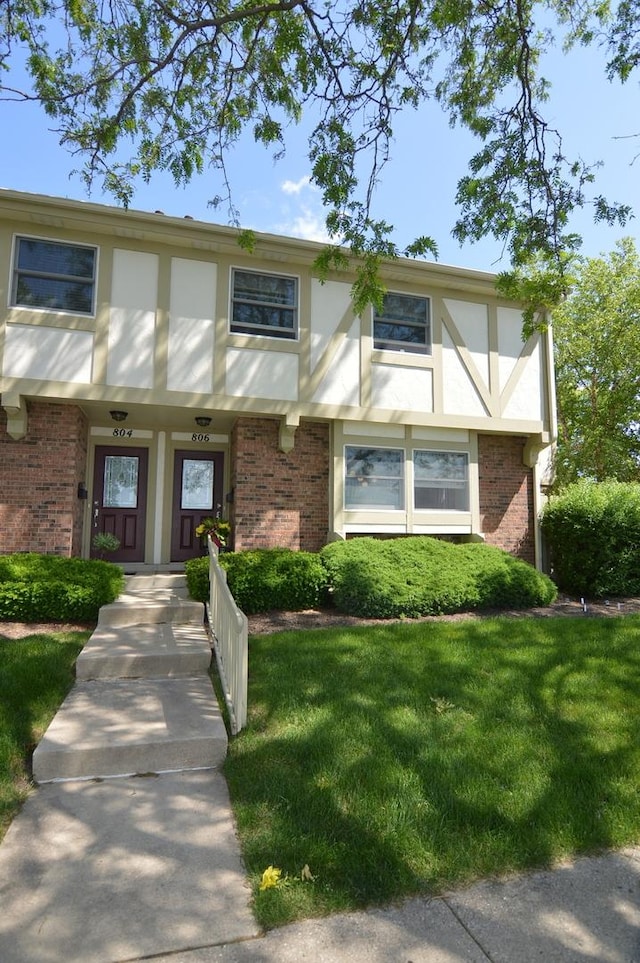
(229, 633)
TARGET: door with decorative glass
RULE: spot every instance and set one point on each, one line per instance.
(197, 494)
(120, 500)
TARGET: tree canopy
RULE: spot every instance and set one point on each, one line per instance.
(597, 345)
(134, 86)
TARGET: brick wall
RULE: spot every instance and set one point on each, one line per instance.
(39, 506)
(280, 500)
(506, 496)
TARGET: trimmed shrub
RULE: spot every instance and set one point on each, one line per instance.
(275, 578)
(416, 576)
(593, 532)
(504, 582)
(50, 588)
(196, 571)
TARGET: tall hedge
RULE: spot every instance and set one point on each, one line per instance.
(593, 533)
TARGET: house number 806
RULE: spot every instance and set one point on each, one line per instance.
(199, 436)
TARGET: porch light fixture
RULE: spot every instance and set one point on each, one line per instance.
(119, 415)
(203, 421)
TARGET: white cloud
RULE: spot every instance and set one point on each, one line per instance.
(296, 187)
(302, 216)
(299, 213)
(306, 224)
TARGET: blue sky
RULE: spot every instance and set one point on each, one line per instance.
(417, 189)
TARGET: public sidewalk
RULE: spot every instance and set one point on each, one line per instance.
(586, 912)
(113, 868)
(149, 868)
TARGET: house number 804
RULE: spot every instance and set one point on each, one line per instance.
(122, 433)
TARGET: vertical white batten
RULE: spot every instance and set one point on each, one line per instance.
(159, 505)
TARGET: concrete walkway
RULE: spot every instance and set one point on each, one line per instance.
(98, 868)
(133, 857)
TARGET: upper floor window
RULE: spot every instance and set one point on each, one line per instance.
(441, 480)
(54, 276)
(264, 304)
(374, 478)
(404, 324)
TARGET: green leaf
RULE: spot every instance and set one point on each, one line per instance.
(140, 86)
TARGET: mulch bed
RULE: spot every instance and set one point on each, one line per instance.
(278, 621)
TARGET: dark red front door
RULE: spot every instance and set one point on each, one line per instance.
(197, 494)
(120, 500)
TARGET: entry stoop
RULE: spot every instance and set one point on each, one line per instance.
(143, 701)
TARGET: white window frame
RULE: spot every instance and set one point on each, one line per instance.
(452, 482)
(265, 330)
(401, 479)
(17, 272)
(390, 344)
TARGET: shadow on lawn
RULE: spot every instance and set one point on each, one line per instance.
(36, 673)
(393, 762)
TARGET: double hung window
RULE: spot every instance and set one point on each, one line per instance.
(54, 276)
(441, 480)
(374, 478)
(404, 324)
(265, 304)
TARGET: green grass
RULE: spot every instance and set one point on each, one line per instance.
(404, 759)
(35, 675)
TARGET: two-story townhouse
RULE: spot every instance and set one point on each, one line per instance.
(154, 373)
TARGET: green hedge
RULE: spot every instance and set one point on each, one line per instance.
(416, 576)
(593, 533)
(50, 588)
(374, 578)
(196, 571)
(264, 579)
(275, 578)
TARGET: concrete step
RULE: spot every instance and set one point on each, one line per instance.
(122, 727)
(140, 611)
(149, 651)
(152, 599)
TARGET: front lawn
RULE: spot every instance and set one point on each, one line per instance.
(35, 675)
(405, 759)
